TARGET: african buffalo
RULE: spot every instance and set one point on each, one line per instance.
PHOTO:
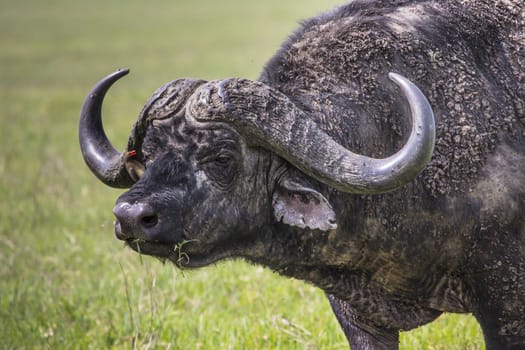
(400, 202)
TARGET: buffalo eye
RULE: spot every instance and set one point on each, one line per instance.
(221, 170)
(223, 160)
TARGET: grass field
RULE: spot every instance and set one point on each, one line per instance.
(65, 281)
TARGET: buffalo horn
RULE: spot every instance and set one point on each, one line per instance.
(101, 157)
(269, 119)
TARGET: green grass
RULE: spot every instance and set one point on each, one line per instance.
(65, 281)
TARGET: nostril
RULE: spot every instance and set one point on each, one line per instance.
(149, 221)
(135, 218)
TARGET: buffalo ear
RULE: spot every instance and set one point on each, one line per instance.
(298, 205)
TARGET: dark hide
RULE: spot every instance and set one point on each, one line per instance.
(452, 240)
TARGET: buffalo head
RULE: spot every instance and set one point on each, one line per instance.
(215, 166)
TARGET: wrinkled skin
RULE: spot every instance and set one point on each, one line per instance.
(451, 240)
(196, 184)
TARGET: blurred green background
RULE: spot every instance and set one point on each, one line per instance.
(65, 281)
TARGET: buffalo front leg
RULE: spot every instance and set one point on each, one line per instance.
(499, 287)
(359, 335)
(501, 307)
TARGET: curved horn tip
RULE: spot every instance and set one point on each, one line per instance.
(398, 78)
(122, 72)
(105, 83)
(98, 153)
(116, 75)
(113, 77)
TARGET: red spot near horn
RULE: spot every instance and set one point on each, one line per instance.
(132, 153)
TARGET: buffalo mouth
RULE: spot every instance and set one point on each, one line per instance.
(177, 253)
(183, 253)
